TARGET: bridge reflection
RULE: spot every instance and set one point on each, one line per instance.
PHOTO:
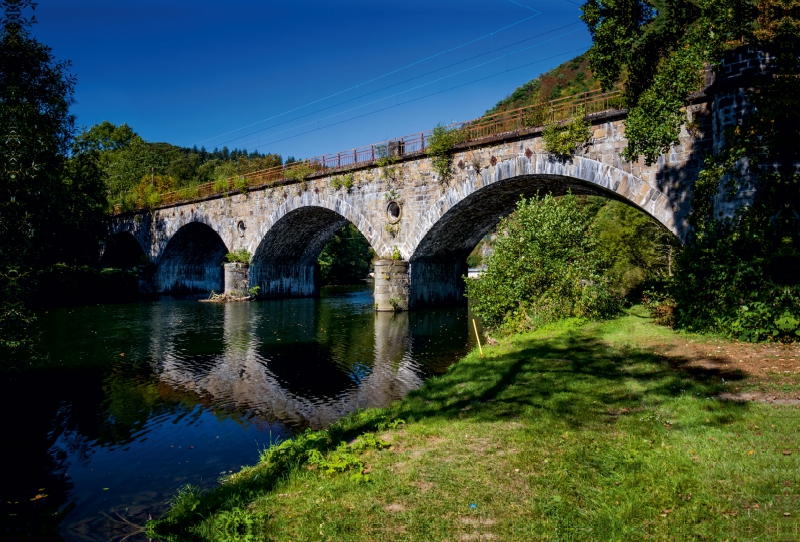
(301, 362)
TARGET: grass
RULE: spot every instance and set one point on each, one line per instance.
(601, 431)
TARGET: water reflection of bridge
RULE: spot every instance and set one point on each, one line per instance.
(299, 361)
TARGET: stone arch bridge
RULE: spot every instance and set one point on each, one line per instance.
(403, 208)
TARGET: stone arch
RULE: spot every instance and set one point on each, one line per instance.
(331, 203)
(122, 251)
(446, 234)
(191, 261)
(285, 261)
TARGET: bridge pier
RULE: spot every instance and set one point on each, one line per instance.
(391, 285)
(236, 278)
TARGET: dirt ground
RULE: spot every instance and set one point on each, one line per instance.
(757, 372)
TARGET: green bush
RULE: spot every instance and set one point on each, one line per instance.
(439, 147)
(342, 181)
(240, 255)
(298, 171)
(190, 192)
(565, 140)
(735, 280)
(240, 184)
(222, 184)
(546, 266)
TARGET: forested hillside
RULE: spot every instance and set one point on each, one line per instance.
(137, 172)
(568, 79)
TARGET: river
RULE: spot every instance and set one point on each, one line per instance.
(173, 392)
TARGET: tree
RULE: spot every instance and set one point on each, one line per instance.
(103, 137)
(545, 266)
(730, 265)
(35, 132)
(636, 247)
(346, 258)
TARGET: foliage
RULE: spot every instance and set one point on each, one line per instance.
(346, 258)
(129, 162)
(221, 185)
(660, 305)
(636, 247)
(48, 204)
(298, 171)
(103, 137)
(662, 48)
(240, 255)
(565, 140)
(240, 183)
(729, 262)
(762, 320)
(391, 229)
(82, 206)
(386, 161)
(545, 267)
(475, 259)
(65, 285)
(732, 283)
(568, 79)
(148, 196)
(396, 255)
(347, 457)
(188, 192)
(254, 291)
(342, 181)
(439, 147)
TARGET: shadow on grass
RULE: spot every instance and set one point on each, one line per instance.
(574, 376)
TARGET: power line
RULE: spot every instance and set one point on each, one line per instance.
(385, 74)
(397, 84)
(422, 97)
(317, 121)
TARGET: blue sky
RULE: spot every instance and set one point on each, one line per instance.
(304, 77)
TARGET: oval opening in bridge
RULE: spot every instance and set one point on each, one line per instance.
(241, 227)
(393, 211)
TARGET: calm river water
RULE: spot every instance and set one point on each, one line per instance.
(181, 392)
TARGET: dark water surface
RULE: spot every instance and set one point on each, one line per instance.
(178, 392)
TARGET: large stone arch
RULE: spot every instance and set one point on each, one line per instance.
(284, 261)
(191, 261)
(331, 203)
(123, 251)
(449, 230)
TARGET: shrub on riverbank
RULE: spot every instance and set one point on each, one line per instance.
(546, 266)
(610, 430)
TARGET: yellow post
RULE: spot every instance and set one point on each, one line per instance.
(477, 336)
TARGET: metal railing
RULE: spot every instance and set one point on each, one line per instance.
(515, 120)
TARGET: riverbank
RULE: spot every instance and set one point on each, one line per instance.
(614, 430)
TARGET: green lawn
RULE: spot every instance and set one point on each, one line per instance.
(593, 431)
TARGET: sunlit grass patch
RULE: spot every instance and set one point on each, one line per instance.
(577, 431)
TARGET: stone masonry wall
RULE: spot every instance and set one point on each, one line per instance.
(438, 219)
